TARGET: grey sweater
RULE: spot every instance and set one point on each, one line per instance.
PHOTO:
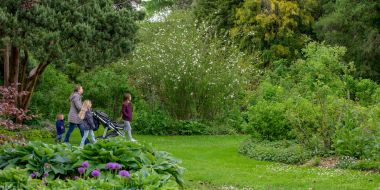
(75, 106)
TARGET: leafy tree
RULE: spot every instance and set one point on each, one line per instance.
(354, 24)
(38, 33)
(277, 28)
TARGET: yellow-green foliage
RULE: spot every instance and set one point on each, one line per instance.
(278, 27)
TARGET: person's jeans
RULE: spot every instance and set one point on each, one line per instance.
(127, 127)
(84, 138)
(71, 129)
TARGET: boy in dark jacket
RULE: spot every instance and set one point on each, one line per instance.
(60, 127)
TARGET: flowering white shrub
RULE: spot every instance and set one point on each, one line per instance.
(190, 75)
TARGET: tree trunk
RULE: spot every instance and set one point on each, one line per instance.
(30, 84)
(14, 66)
(23, 81)
(6, 65)
(14, 72)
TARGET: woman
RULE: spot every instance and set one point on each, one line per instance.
(88, 122)
(75, 107)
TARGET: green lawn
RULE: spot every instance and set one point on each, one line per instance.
(212, 162)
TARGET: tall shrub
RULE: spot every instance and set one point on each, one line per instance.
(187, 74)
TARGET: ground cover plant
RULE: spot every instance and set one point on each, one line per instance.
(62, 164)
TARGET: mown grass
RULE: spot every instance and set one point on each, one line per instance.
(213, 162)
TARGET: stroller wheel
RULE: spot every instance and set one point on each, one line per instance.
(110, 135)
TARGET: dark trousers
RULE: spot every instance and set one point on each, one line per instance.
(71, 129)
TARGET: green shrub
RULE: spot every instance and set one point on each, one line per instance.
(51, 95)
(361, 141)
(152, 123)
(363, 91)
(276, 151)
(268, 121)
(318, 101)
(159, 123)
(190, 127)
(105, 95)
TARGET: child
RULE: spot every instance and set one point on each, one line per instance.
(86, 115)
(60, 126)
(127, 110)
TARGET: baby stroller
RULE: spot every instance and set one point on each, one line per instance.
(112, 129)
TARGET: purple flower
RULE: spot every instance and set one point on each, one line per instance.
(81, 170)
(113, 166)
(124, 173)
(95, 173)
(76, 177)
(110, 165)
(117, 166)
(32, 175)
(46, 174)
(85, 164)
